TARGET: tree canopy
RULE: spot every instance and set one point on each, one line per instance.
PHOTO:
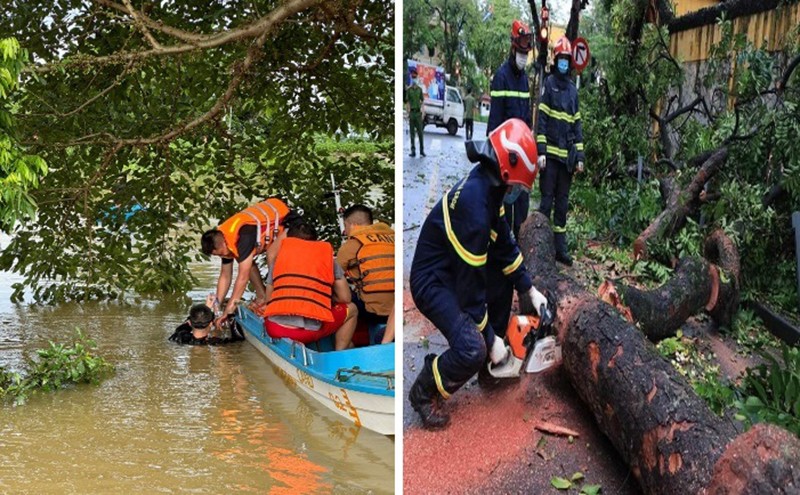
(190, 111)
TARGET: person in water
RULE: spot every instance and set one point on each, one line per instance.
(197, 329)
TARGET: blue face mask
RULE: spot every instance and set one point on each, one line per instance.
(563, 65)
(513, 194)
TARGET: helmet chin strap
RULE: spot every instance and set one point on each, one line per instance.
(483, 153)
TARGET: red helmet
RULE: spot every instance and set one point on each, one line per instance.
(521, 37)
(515, 150)
(563, 47)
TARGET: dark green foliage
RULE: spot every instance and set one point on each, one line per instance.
(772, 391)
(55, 367)
(113, 133)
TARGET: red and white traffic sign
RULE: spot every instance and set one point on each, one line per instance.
(580, 54)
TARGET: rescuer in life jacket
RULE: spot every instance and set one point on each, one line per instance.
(367, 258)
(448, 275)
(196, 330)
(307, 292)
(242, 237)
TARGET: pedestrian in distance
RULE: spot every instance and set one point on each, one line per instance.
(416, 113)
(462, 233)
(469, 114)
(559, 138)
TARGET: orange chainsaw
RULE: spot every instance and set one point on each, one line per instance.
(531, 345)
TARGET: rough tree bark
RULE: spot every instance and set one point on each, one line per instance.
(711, 284)
(663, 430)
(673, 218)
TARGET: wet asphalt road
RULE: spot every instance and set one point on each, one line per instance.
(426, 179)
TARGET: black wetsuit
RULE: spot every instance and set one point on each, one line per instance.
(183, 335)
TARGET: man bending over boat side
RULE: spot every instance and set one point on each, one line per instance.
(242, 237)
(196, 330)
(368, 260)
(308, 296)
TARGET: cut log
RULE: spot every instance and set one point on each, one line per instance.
(668, 436)
(673, 218)
(697, 284)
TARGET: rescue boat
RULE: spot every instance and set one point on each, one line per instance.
(357, 384)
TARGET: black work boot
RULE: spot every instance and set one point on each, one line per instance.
(424, 397)
(562, 255)
(413, 154)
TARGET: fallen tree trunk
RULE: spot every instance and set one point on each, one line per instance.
(668, 436)
(711, 284)
(673, 218)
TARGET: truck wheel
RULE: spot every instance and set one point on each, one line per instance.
(452, 127)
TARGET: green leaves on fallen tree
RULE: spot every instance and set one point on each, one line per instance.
(772, 391)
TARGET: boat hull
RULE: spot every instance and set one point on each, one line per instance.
(357, 384)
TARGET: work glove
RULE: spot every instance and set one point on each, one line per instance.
(499, 351)
(579, 169)
(541, 162)
(530, 302)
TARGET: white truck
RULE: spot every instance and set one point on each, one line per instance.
(442, 106)
(448, 113)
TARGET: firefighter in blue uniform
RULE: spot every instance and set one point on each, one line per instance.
(559, 139)
(510, 99)
(463, 232)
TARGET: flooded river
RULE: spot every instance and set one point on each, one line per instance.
(172, 419)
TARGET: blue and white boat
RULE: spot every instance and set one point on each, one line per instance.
(358, 384)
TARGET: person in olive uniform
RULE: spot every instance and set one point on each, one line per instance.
(414, 99)
(469, 114)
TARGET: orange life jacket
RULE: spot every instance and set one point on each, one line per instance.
(374, 259)
(302, 283)
(266, 216)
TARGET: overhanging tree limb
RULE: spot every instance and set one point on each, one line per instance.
(257, 30)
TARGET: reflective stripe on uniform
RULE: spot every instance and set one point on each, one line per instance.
(484, 321)
(493, 235)
(559, 115)
(541, 138)
(469, 258)
(502, 210)
(559, 230)
(510, 94)
(513, 266)
(556, 151)
(438, 378)
(579, 146)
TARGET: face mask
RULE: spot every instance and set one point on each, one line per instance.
(413, 80)
(513, 194)
(563, 65)
(522, 59)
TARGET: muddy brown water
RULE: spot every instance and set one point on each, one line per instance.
(172, 419)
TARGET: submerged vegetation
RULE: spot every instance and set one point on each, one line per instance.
(54, 367)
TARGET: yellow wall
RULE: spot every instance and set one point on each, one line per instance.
(685, 6)
(774, 26)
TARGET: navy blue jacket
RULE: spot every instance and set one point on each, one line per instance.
(454, 246)
(559, 119)
(510, 96)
